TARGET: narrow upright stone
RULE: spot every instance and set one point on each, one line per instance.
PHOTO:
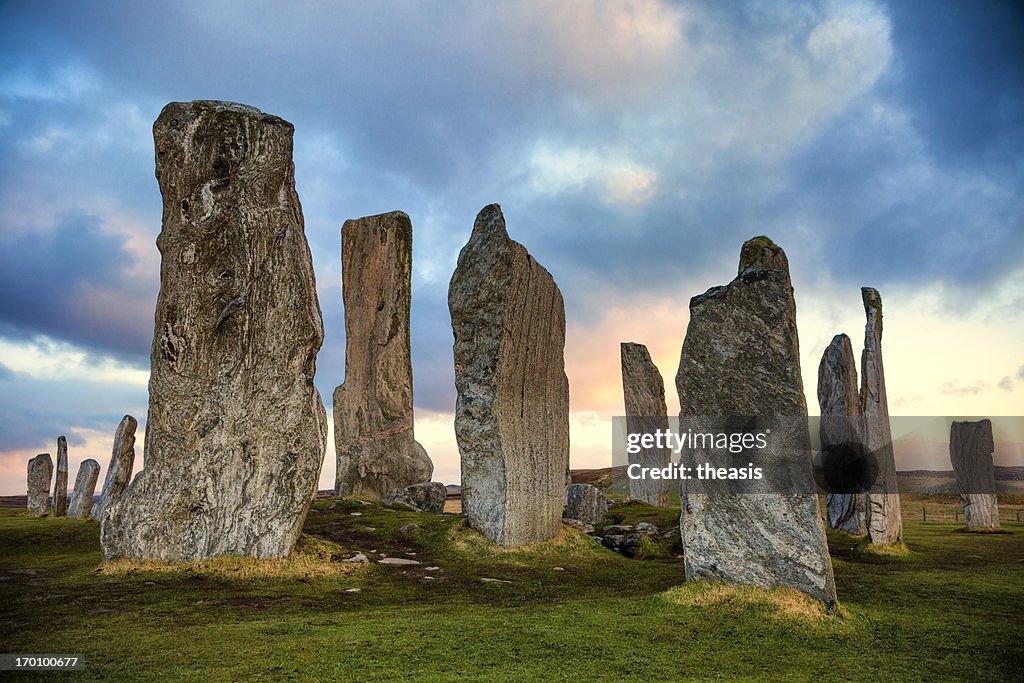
(970, 449)
(885, 523)
(740, 359)
(512, 412)
(644, 393)
(839, 431)
(119, 471)
(373, 413)
(85, 487)
(236, 430)
(40, 472)
(60, 486)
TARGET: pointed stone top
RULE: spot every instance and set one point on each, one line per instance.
(490, 221)
(760, 253)
(62, 440)
(872, 302)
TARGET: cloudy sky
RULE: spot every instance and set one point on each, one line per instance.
(632, 145)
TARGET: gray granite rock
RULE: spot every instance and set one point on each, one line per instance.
(236, 430)
(585, 503)
(373, 408)
(885, 523)
(60, 485)
(119, 471)
(40, 473)
(644, 394)
(740, 359)
(839, 431)
(970, 450)
(427, 496)
(85, 487)
(512, 412)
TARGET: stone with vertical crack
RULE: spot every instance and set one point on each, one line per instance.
(970, 450)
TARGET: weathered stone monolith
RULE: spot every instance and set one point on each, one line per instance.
(85, 487)
(740, 363)
(885, 523)
(236, 430)
(40, 472)
(373, 412)
(585, 503)
(60, 485)
(970, 450)
(119, 471)
(644, 394)
(512, 412)
(839, 430)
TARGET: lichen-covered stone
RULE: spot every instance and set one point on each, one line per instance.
(512, 412)
(85, 487)
(373, 409)
(885, 523)
(585, 503)
(60, 484)
(236, 430)
(970, 450)
(839, 430)
(740, 358)
(119, 471)
(40, 472)
(643, 391)
(426, 496)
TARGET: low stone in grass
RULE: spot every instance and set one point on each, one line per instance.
(585, 503)
(427, 496)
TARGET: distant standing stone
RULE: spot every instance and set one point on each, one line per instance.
(119, 471)
(60, 486)
(512, 412)
(85, 487)
(741, 358)
(427, 496)
(40, 472)
(585, 503)
(970, 449)
(373, 408)
(644, 394)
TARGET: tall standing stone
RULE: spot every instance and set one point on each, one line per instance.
(119, 471)
(885, 523)
(512, 412)
(839, 430)
(236, 430)
(644, 393)
(85, 487)
(373, 413)
(40, 472)
(60, 485)
(970, 449)
(740, 359)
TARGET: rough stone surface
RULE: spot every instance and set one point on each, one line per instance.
(60, 485)
(885, 523)
(119, 471)
(85, 487)
(40, 472)
(512, 412)
(740, 358)
(373, 410)
(236, 430)
(585, 503)
(644, 394)
(970, 450)
(427, 496)
(839, 429)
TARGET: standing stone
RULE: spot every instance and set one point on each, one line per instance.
(373, 414)
(40, 472)
(585, 503)
(512, 412)
(119, 471)
(885, 523)
(85, 487)
(970, 449)
(839, 430)
(644, 394)
(236, 430)
(740, 359)
(60, 486)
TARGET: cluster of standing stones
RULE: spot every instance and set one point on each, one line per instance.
(236, 430)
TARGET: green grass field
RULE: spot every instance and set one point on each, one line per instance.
(951, 608)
